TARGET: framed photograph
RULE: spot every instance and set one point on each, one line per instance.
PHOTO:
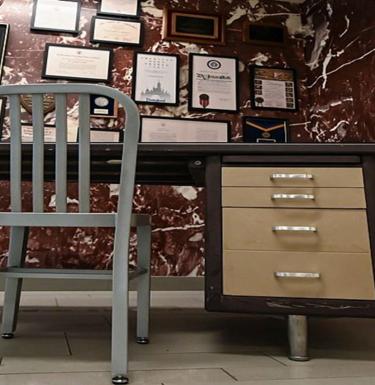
(264, 130)
(2, 115)
(49, 133)
(195, 27)
(103, 107)
(99, 135)
(77, 63)
(178, 130)
(116, 31)
(120, 8)
(156, 79)
(213, 83)
(56, 16)
(264, 34)
(4, 33)
(273, 88)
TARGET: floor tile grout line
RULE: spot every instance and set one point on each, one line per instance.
(229, 374)
(68, 344)
(275, 359)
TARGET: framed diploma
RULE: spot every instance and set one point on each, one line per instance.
(273, 88)
(120, 8)
(77, 63)
(105, 136)
(177, 130)
(213, 83)
(156, 79)
(49, 133)
(4, 33)
(56, 16)
(194, 27)
(116, 31)
(264, 130)
(103, 107)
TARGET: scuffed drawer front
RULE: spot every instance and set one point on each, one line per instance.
(295, 229)
(353, 198)
(292, 177)
(296, 274)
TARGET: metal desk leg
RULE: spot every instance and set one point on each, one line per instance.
(298, 336)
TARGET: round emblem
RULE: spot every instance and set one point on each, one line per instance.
(266, 135)
(214, 64)
(101, 101)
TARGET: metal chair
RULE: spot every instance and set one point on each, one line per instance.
(122, 221)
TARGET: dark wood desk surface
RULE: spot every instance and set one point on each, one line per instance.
(180, 164)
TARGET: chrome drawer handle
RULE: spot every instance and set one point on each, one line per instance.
(284, 274)
(292, 176)
(293, 197)
(114, 161)
(309, 229)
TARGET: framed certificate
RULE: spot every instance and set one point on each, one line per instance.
(177, 130)
(103, 107)
(49, 133)
(273, 88)
(121, 8)
(98, 135)
(196, 27)
(4, 33)
(77, 63)
(116, 31)
(156, 79)
(213, 83)
(56, 16)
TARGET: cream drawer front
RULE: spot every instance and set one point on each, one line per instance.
(295, 229)
(353, 198)
(291, 177)
(332, 275)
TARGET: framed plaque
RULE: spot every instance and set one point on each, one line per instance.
(264, 130)
(273, 88)
(98, 135)
(4, 33)
(194, 27)
(77, 63)
(116, 31)
(120, 8)
(177, 130)
(103, 107)
(2, 115)
(264, 34)
(213, 83)
(156, 78)
(49, 133)
(56, 16)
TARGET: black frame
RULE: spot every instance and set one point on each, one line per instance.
(45, 60)
(190, 86)
(102, 116)
(33, 28)
(93, 26)
(281, 120)
(252, 69)
(177, 79)
(100, 12)
(3, 102)
(247, 34)
(4, 34)
(121, 134)
(227, 122)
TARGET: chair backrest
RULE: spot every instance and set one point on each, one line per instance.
(60, 92)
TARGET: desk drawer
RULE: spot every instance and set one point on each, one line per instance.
(292, 177)
(337, 275)
(353, 198)
(311, 230)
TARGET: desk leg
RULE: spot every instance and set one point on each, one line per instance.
(298, 337)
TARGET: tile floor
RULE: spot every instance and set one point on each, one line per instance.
(64, 339)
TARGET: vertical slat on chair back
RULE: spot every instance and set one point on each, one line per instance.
(15, 153)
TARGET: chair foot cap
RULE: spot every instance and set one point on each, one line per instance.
(299, 358)
(7, 336)
(142, 340)
(120, 380)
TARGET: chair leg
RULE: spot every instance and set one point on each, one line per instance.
(143, 284)
(298, 338)
(13, 286)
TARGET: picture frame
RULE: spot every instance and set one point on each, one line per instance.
(264, 34)
(213, 83)
(156, 78)
(273, 88)
(56, 16)
(49, 133)
(101, 135)
(4, 34)
(162, 129)
(3, 101)
(120, 8)
(189, 26)
(103, 107)
(124, 32)
(77, 63)
(259, 129)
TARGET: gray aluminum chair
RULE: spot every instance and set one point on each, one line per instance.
(122, 221)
